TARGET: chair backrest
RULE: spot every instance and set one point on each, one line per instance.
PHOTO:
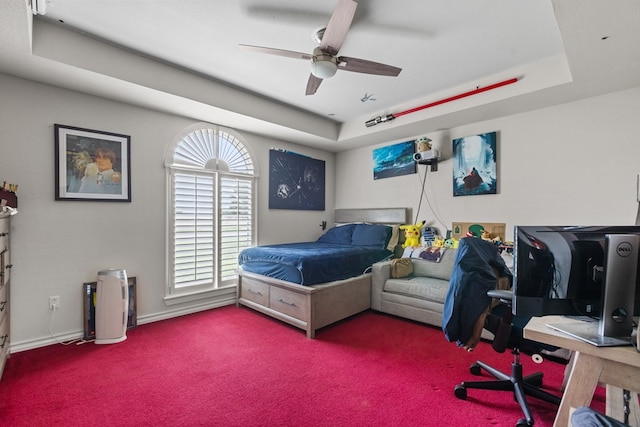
(476, 268)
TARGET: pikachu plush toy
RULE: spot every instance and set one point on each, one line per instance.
(411, 234)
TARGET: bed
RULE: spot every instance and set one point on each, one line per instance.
(309, 295)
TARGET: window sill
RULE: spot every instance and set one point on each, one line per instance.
(220, 293)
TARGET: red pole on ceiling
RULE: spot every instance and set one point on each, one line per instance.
(390, 117)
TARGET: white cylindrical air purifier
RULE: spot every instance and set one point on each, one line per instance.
(112, 305)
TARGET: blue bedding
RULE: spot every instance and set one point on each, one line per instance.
(342, 252)
(311, 263)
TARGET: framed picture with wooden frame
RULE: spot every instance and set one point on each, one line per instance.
(92, 165)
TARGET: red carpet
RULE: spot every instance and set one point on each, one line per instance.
(234, 367)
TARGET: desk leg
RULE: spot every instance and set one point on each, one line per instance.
(582, 383)
(615, 405)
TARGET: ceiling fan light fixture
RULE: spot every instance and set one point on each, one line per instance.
(323, 69)
(323, 66)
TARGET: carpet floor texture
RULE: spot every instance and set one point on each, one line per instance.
(235, 367)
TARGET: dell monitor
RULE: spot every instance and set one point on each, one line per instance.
(579, 271)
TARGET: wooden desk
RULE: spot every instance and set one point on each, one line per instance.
(615, 366)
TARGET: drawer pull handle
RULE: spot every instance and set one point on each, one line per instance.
(292, 304)
(254, 292)
(4, 340)
(3, 305)
(4, 234)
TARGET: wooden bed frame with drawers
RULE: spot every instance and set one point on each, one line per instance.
(313, 307)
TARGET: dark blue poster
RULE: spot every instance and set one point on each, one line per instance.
(295, 181)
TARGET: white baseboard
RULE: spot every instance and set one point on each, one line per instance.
(19, 346)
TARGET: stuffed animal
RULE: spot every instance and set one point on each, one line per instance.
(423, 144)
(411, 234)
(451, 243)
(428, 235)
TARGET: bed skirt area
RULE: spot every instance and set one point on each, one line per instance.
(306, 307)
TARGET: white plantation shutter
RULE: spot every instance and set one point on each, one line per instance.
(236, 217)
(212, 216)
(194, 220)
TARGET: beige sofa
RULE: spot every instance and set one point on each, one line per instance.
(419, 297)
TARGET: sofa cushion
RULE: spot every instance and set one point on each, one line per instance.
(426, 288)
(439, 270)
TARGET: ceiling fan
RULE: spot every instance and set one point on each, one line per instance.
(325, 60)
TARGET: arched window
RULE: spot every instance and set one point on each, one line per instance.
(211, 177)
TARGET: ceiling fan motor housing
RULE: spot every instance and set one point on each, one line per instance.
(323, 66)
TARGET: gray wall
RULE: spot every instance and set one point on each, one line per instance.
(58, 245)
(573, 164)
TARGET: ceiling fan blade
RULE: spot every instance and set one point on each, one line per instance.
(367, 67)
(338, 26)
(313, 84)
(278, 52)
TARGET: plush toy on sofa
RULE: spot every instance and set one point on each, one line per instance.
(411, 234)
(451, 243)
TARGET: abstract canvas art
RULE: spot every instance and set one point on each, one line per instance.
(295, 181)
(394, 160)
(474, 165)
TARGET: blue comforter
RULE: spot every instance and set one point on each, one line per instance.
(310, 263)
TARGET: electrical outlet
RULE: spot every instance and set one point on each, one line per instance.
(54, 302)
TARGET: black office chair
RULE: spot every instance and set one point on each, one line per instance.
(509, 336)
(470, 306)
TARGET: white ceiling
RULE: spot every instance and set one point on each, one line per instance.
(437, 46)
(182, 57)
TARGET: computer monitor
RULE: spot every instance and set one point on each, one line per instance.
(564, 270)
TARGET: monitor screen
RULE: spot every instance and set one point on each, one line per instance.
(560, 270)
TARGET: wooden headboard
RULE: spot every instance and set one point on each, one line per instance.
(373, 216)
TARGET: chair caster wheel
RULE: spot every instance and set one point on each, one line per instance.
(475, 369)
(523, 423)
(460, 391)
